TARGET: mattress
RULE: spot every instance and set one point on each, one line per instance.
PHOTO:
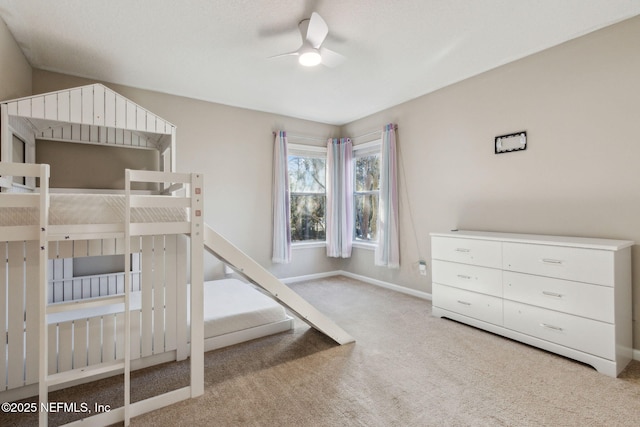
(70, 209)
(229, 306)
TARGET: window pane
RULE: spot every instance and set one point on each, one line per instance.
(367, 174)
(366, 216)
(307, 174)
(307, 217)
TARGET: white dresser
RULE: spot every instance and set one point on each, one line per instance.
(568, 295)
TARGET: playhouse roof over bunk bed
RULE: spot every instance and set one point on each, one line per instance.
(89, 114)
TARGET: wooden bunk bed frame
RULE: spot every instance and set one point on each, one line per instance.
(59, 354)
(162, 232)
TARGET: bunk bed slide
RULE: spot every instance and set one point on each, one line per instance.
(254, 272)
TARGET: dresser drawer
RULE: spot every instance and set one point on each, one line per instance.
(471, 304)
(468, 251)
(578, 333)
(470, 277)
(582, 299)
(582, 265)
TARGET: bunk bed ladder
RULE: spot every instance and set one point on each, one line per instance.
(47, 380)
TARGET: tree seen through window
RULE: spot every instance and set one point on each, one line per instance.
(307, 178)
(365, 195)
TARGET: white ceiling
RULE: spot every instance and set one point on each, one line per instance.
(217, 50)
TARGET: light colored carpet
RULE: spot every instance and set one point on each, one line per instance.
(407, 368)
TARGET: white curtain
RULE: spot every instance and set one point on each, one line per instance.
(281, 204)
(339, 210)
(388, 249)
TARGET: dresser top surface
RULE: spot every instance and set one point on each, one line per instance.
(578, 242)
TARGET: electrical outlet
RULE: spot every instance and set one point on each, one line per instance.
(422, 267)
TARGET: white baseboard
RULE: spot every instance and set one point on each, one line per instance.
(369, 280)
(296, 279)
(636, 354)
(387, 285)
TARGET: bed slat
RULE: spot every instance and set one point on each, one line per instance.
(16, 314)
(79, 248)
(95, 286)
(158, 294)
(65, 249)
(80, 343)
(12, 108)
(171, 255)
(108, 339)
(95, 247)
(109, 247)
(51, 107)
(58, 285)
(98, 105)
(112, 282)
(63, 106)
(3, 315)
(110, 109)
(52, 346)
(181, 301)
(32, 275)
(135, 334)
(95, 340)
(150, 125)
(24, 107)
(65, 346)
(147, 294)
(131, 115)
(119, 338)
(87, 105)
(67, 285)
(141, 119)
(75, 106)
(37, 107)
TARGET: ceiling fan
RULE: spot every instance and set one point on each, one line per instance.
(314, 30)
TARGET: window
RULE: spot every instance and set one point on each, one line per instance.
(366, 192)
(307, 178)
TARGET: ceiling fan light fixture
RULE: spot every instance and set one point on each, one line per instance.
(310, 58)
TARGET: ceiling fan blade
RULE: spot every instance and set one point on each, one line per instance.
(331, 58)
(283, 54)
(317, 30)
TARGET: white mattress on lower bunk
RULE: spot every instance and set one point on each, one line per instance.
(229, 306)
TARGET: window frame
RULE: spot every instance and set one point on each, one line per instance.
(363, 150)
(303, 150)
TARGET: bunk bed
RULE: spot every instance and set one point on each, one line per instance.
(61, 329)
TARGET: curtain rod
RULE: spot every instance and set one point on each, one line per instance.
(315, 138)
(373, 132)
(311, 138)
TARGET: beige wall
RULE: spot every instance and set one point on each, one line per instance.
(580, 176)
(233, 148)
(15, 71)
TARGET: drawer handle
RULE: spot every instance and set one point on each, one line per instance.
(462, 276)
(551, 261)
(463, 250)
(552, 294)
(553, 328)
(464, 302)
